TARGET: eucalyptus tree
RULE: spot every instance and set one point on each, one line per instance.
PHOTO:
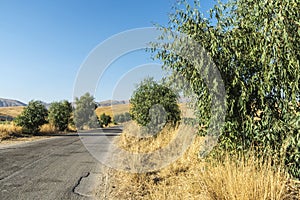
(256, 46)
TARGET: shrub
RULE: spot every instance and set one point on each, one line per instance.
(105, 119)
(60, 114)
(32, 117)
(153, 104)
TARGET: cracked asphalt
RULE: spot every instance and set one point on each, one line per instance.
(50, 168)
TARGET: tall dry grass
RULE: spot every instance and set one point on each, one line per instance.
(245, 177)
(132, 141)
(51, 129)
(11, 131)
(8, 130)
(48, 129)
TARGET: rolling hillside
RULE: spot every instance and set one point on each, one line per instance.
(10, 103)
(112, 110)
(11, 111)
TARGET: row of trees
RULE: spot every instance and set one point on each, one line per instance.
(61, 114)
(35, 115)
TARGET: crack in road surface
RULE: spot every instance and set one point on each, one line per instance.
(78, 183)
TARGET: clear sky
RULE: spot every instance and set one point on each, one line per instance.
(44, 42)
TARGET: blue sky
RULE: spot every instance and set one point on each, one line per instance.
(44, 42)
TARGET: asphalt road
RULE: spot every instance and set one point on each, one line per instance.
(50, 169)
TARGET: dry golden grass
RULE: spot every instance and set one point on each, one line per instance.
(48, 129)
(133, 143)
(11, 132)
(8, 130)
(246, 178)
(72, 128)
(51, 129)
(112, 110)
(11, 111)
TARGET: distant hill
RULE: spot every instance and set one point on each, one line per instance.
(112, 102)
(122, 102)
(10, 103)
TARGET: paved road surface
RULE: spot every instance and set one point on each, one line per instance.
(48, 169)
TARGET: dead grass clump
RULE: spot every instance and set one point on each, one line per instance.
(131, 139)
(244, 177)
(51, 129)
(251, 178)
(9, 130)
(247, 179)
(72, 128)
(48, 129)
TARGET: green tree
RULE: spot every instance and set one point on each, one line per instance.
(256, 47)
(105, 119)
(32, 117)
(60, 114)
(153, 104)
(84, 114)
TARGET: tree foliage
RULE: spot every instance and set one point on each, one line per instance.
(32, 117)
(256, 47)
(153, 103)
(123, 117)
(60, 114)
(84, 114)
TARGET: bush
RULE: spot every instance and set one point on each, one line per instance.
(105, 119)
(60, 114)
(32, 117)
(154, 105)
